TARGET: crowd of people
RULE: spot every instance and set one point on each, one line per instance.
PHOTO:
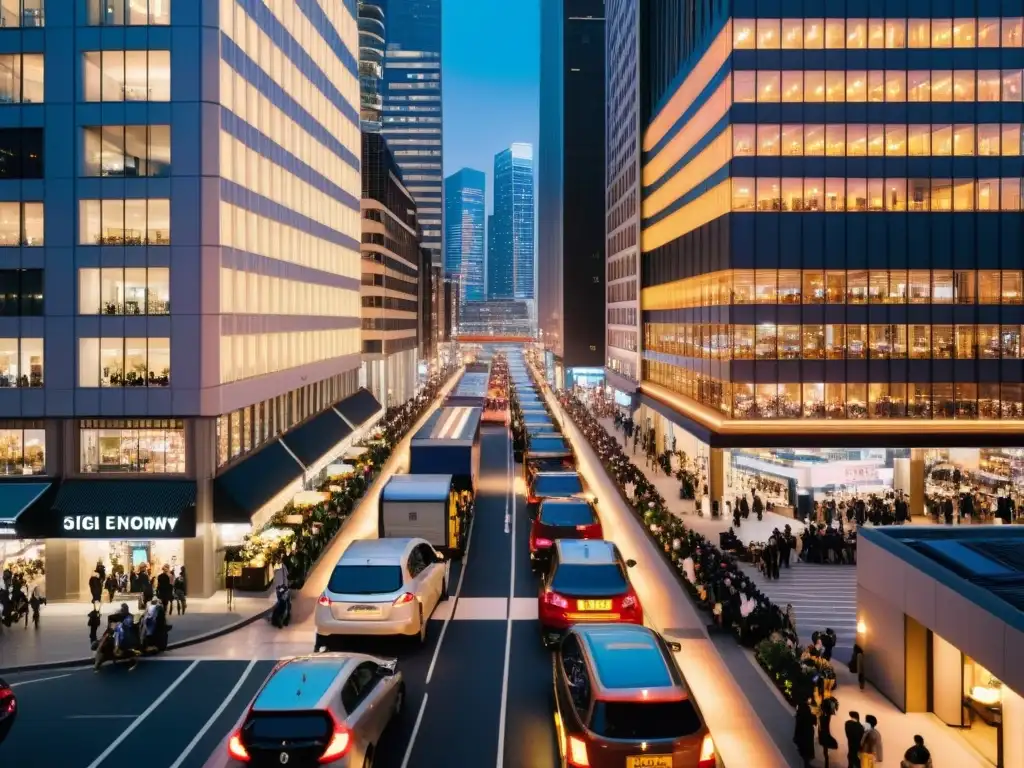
(19, 601)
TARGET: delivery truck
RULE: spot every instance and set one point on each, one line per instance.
(426, 507)
(448, 444)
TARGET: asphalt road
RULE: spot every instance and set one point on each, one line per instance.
(481, 690)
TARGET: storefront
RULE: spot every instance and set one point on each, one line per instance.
(124, 524)
(941, 622)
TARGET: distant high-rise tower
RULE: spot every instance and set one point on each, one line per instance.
(412, 107)
(464, 195)
(510, 261)
(371, 65)
(571, 184)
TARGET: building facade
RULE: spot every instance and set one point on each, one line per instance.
(413, 109)
(206, 300)
(510, 264)
(622, 192)
(390, 278)
(465, 194)
(832, 231)
(372, 30)
(570, 184)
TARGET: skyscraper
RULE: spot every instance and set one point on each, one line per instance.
(510, 260)
(464, 196)
(570, 184)
(622, 182)
(371, 65)
(412, 106)
(489, 254)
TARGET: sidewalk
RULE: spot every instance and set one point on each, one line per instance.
(63, 637)
(831, 601)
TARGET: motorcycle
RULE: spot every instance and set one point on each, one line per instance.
(136, 641)
(281, 616)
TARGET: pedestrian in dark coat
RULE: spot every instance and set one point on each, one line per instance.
(803, 733)
(96, 589)
(854, 733)
(164, 587)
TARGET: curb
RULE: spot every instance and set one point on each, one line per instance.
(195, 640)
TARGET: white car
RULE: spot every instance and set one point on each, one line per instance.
(382, 587)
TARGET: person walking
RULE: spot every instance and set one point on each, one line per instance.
(917, 756)
(94, 625)
(180, 590)
(870, 744)
(111, 586)
(164, 587)
(803, 732)
(96, 589)
(854, 734)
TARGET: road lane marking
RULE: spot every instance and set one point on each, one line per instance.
(40, 680)
(99, 717)
(213, 718)
(138, 721)
(508, 622)
(454, 600)
(415, 730)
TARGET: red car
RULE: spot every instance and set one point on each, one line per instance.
(620, 700)
(561, 519)
(587, 583)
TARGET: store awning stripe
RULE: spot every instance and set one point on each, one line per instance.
(246, 487)
(125, 497)
(358, 408)
(15, 498)
(312, 440)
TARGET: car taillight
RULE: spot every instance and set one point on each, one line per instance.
(707, 753)
(542, 543)
(337, 748)
(236, 750)
(324, 600)
(628, 603)
(404, 599)
(7, 701)
(578, 752)
(555, 599)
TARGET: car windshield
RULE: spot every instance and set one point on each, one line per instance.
(365, 579)
(560, 514)
(645, 720)
(278, 726)
(557, 485)
(571, 579)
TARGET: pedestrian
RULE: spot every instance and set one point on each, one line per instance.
(829, 708)
(94, 625)
(101, 569)
(917, 756)
(111, 586)
(180, 590)
(145, 586)
(803, 732)
(870, 744)
(96, 589)
(164, 587)
(854, 734)
(828, 642)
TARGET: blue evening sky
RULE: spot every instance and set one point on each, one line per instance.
(490, 57)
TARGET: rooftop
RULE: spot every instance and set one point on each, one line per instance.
(450, 423)
(377, 550)
(585, 551)
(300, 683)
(985, 563)
(627, 656)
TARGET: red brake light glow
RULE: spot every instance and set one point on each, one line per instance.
(404, 599)
(542, 543)
(236, 750)
(707, 753)
(628, 603)
(324, 600)
(555, 599)
(578, 752)
(340, 742)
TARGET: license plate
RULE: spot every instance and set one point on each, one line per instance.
(364, 609)
(649, 761)
(595, 605)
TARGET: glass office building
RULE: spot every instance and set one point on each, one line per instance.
(510, 267)
(832, 229)
(464, 199)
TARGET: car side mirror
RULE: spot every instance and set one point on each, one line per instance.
(387, 668)
(630, 563)
(674, 646)
(440, 556)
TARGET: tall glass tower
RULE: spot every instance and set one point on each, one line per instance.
(371, 65)
(412, 106)
(464, 195)
(510, 260)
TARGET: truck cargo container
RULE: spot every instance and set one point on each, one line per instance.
(448, 444)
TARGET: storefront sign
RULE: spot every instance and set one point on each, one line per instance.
(120, 523)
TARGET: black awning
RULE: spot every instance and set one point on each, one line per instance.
(124, 509)
(314, 438)
(16, 499)
(359, 407)
(246, 487)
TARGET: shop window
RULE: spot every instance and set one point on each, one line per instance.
(127, 75)
(21, 362)
(118, 362)
(22, 449)
(127, 151)
(143, 446)
(21, 78)
(124, 222)
(119, 291)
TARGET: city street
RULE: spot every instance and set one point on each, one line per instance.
(478, 687)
